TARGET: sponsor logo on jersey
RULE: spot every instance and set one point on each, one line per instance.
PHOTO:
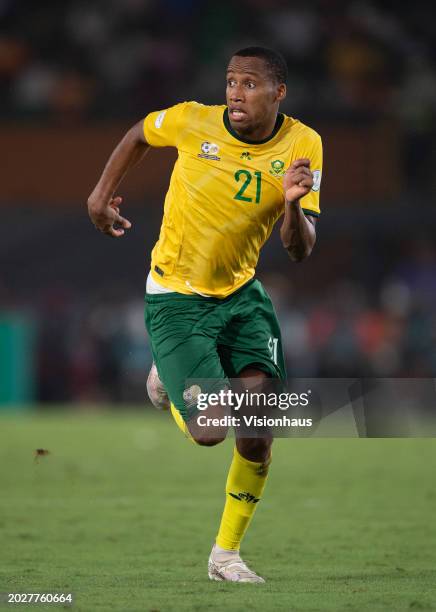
(246, 155)
(209, 150)
(248, 497)
(277, 167)
(159, 119)
(316, 180)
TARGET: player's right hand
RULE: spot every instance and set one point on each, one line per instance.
(107, 218)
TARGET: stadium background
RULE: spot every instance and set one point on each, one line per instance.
(75, 76)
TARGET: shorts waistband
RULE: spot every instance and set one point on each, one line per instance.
(154, 298)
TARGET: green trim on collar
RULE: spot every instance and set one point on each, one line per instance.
(312, 213)
(278, 125)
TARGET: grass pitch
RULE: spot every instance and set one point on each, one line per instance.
(123, 512)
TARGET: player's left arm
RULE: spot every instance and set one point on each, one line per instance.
(301, 184)
(297, 232)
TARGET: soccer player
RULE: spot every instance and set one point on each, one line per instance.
(240, 167)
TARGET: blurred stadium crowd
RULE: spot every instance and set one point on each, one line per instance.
(108, 58)
(362, 307)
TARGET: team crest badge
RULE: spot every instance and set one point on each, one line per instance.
(277, 167)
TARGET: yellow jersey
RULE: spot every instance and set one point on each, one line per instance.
(224, 197)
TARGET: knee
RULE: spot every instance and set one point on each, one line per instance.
(156, 390)
(206, 434)
(205, 440)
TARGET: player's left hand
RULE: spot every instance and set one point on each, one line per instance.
(297, 180)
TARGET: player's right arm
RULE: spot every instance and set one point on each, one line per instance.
(158, 129)
(103, 206)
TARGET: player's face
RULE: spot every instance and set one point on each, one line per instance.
(252, 94)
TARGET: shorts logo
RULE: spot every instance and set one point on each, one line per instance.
(209, 151)
(316, 180)
(190, 395)
(159, 119)
(277, 167)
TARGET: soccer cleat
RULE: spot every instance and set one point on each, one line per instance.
(156, 391)
(228, 566)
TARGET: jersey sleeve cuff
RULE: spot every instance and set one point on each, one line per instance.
(312, 213)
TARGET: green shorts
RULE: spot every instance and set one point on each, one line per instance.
(195, 337)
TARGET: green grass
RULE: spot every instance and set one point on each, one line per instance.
(124, 510)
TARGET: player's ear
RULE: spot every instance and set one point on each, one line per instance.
(281, 92)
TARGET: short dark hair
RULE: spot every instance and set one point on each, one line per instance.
(273, 59)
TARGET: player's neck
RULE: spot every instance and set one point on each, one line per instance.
(258, 132)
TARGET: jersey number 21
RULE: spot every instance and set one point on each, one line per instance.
(246, 176)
